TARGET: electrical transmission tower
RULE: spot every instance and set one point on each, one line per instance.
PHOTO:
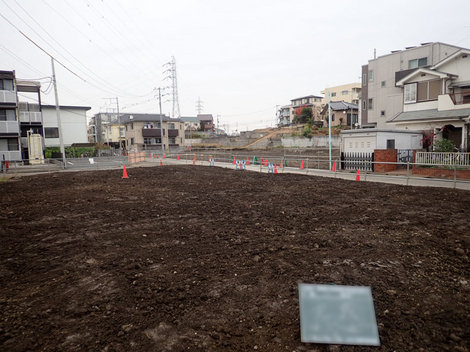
(199, 106)
(174, 86)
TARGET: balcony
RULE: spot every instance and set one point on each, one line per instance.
(460, 98)
(172, 133)
(9, 127)
(152, 132)
(7, 97)
(30, 116)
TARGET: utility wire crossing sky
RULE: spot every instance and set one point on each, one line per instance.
(242, 59)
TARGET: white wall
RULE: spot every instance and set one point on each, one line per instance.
(367, 142)
(74, 125)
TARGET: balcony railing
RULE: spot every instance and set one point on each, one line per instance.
(9, 127)
(7, 96)
(461, 97)
(30, 116)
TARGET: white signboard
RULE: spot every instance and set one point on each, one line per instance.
(335, 314)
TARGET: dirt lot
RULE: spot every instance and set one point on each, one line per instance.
(206, 259)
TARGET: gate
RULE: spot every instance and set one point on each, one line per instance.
(404, 156)
(357, 161)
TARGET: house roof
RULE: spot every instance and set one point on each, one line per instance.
(126, 118)
(432, 114)
(451, 57)
(376, 130)
(340, 105)
(423, 70)
(462, 84)
(189, 119)
(205, 117)
(308, 96)
(64, 107)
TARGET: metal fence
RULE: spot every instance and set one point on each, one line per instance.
(357, 161)
(437, 158)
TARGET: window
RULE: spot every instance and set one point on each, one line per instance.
(410, 93)
(6, 84)
(418, 62)
(51, 132)
(333, 94)
(132, 140)
(364, 105)
(382, 84)
(382, 113)
(364, 79)
(368, 144)
(7, 115)
(157, 125)
(172, 140)
(171, 125)
(306, 101)
(371, 75)
(345, 92)
(390, 144)
(132, 127)
(332, 117)
(13, 144)
(428, 90)
(371, 104)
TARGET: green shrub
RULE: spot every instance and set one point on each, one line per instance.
(444, 145)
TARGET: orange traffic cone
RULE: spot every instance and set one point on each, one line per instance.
(164, 156)
(302, 165)
(234, 160)
(266, 162)
(281, 166)
(275, 168)
(157, 156)
(124, 173)
(161, 162)
(334, 166)
(154, 156)
(195, 158)
(247, 161)
(178, 158)
(358, 175)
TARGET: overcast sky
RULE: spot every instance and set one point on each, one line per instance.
(242, 58)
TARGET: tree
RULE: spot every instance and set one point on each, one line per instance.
(303, 114)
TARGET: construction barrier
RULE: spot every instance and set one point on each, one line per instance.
(136, 157)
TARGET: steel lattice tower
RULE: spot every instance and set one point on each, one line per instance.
(174, 86)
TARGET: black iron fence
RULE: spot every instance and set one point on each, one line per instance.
(357, 161)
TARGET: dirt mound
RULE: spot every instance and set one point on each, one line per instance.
(207, 259)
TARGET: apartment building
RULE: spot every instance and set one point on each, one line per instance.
(149, 131)
(381, 97)
(21, 123)
(348, 93)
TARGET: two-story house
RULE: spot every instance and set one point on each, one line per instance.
(9, 125)
(311, 101)
(149, 131)
(207, 122)
(436, 99)
(381, 97)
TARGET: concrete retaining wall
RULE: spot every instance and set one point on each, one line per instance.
(314, 142)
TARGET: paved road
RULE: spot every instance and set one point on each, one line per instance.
(370, 177)
(115, 163)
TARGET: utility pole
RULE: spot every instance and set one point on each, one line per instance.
(218, 124)
(161, 120)
(329, 126)
(119, 131)
(57, 109)
(119, 123)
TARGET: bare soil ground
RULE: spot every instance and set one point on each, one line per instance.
(207, 259)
